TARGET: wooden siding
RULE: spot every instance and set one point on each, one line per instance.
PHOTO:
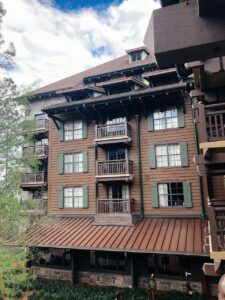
(148, 138)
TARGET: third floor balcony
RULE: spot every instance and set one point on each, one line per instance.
(41, 124)
(114, 170)
(211, 131)
(34, 179)
(113, 133)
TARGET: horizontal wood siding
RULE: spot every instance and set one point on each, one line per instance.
(56, 181)
(148, 138)
(189, 173)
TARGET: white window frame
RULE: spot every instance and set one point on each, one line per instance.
(73, 130)
(168, 155)
(166, 119)
(73, 197)
(73, 162)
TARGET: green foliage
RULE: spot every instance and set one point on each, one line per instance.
(15, 278)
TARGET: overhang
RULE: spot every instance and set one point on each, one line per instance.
(181, 236)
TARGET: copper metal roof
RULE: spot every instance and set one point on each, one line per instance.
(151, 235)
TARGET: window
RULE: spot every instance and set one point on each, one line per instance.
(135, 56)
(107, 261)
(73, 197)
(168, 155)
(171, 194)
(73, 163)
(165, 119)
(73, 130)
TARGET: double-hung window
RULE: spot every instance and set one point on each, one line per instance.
(168, 155)
(165, 119)
(171, 194)
(73, 163)
(73, 130)
(73, 197)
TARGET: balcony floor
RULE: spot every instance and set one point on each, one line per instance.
(117, 219)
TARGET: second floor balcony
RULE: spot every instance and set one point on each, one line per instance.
(34, 179)
(113, 133)
(216, 212)
(114, 170)
(115, 212)
(37, 151)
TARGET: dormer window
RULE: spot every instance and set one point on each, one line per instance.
(135, 56)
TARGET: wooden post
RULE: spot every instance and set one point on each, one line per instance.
(74, 268)
(213, 228)
(132, 271)
(202, 122)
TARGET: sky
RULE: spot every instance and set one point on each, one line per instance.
(55, 38)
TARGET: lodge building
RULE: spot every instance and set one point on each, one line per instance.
(125, 198)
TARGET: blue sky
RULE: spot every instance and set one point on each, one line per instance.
(77, 4)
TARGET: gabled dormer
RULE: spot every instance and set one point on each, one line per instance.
(137, 54)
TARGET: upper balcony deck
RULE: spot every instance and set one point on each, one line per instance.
(113, 133)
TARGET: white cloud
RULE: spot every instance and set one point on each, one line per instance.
(52, 44)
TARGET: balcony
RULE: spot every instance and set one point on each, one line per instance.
(38, 151)
(32, 180)
(118, 170)
(113, 134)
(216, 212)
(211, 120)
(41, 124)
(211, 128)
(115, 212)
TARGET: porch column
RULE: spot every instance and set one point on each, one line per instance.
(74, 267)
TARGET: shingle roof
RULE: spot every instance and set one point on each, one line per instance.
(151, 235)
(118, 64)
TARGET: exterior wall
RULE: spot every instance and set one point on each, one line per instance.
(148, 138)
(218, 187)
(53, 274)
(55, 180)
(105, 279)
(115, 280)
(37, 105)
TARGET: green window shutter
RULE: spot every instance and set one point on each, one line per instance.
(187, 193)
(84, 130)
(184, 154)
(61, 164)
(61, 132)
(60, 197)
(152, 157)
(85, 162)
(180, 115)
(155, 196)
(150, 121)
(85, 196)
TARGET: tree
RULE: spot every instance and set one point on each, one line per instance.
(15, 131)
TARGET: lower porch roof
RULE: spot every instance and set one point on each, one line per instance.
(182, 236)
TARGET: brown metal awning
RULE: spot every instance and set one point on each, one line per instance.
(182, 236)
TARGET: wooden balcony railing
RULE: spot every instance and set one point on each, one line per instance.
(114, 167)
(34, 178)
(211, 120)
(112, 131)
(216, 211)
(37, 150)
(115, 206)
